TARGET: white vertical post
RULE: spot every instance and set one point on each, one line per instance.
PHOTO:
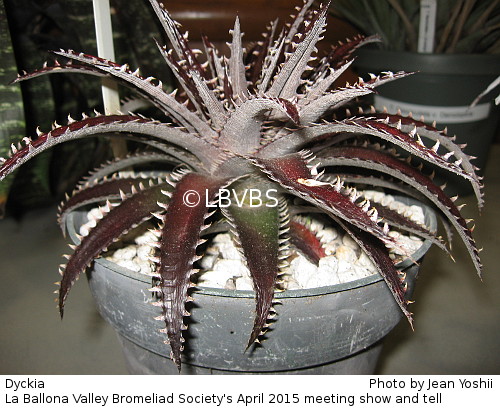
(105, 49)
(427, 27)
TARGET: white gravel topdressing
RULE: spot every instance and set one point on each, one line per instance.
(223, 265)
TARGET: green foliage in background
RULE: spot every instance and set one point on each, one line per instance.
(12, 125)
(38, 26)
(462, 26)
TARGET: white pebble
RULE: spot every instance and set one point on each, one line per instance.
(208, 261)
(231, 267)
(94, 213)
(129, 264)
(301, 269)
(144, 252)
(315, 281)
(84, 230)
(87, 227)
(387, 200)
(244, 283)
(409, 245)
(326, 274)
(343, 267)
(345, 253)
(329, 265)
(224, 267)
(362, 272)
(349, 242)
(315, 225)
(213, 279)
(146, 238)
(377, 196)
(328, 235)
(230, 252)
(127, 253)
(222, 238)
(398, 207)
(417, 214)
(230, 284)
(226, 247)
(144, 266)
(365, 262)
(394, 234)
(212, 250)
(347, 275)
(290, 283)
(331, 247)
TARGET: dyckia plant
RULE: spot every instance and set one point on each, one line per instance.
(267, 118)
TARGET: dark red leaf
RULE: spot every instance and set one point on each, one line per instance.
(306, 241)
(114, 224)
(183, 223)
(292, 173)
(98, 193)
(380, 161)
(378, 254)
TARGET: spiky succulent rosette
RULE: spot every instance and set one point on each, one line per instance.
(258, 119)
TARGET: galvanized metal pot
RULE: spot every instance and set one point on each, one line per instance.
(327, 330)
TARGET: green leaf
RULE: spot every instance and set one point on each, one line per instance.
(12, 126)
(256, 218)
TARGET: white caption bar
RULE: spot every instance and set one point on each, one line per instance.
(248, 392)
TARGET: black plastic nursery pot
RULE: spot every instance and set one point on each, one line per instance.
(328, 330)
(442, 90)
